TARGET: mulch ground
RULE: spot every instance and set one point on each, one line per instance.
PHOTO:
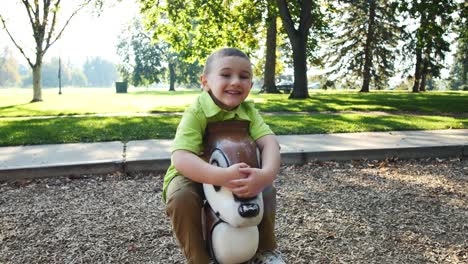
(412, 211)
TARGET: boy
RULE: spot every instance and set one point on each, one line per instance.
(226, 81)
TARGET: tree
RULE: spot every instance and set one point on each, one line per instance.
(100, 72)
(144, 61)
(306, 14)
(269, 85)
(9, 70)
(195, 28)
(141, 62)
(43, 16)
(459, 72)
(364, 43)
(71, 76)
(428, 40)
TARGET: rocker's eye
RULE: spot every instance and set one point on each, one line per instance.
(218, 158)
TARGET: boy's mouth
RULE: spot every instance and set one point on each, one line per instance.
(234, 92)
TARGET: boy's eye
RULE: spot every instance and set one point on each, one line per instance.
(225, 74)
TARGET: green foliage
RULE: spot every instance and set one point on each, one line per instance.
(141, 60)
(346, 49)
(71, 76)
(144, 61)
(459, 71)
(428, 41)
(100, 72)
(197, 27)
(9, 70)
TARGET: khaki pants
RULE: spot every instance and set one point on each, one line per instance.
(184, 203)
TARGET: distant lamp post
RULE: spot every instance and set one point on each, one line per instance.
(60, 76)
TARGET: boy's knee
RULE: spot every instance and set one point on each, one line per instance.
(184, 200)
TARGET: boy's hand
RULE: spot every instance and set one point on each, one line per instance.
(233, 173)
(253, 182)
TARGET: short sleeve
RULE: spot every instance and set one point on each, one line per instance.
(189, 135)
(258, 127)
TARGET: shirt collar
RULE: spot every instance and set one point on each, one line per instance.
(210, 108)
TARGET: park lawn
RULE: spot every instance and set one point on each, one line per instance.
(26, 131)
(81, 101)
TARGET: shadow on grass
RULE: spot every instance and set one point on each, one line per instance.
(348, 123)
(86, 129)
(427, 102)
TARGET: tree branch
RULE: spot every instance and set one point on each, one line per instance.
(66, 24)
(286, 17)
(14, 41)
(306, 16)
(54, 21)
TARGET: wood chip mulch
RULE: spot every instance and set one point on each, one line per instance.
(391, 211)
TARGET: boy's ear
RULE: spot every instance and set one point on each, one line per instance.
(203, 82)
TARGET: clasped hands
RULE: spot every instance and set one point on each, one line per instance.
(245, 181)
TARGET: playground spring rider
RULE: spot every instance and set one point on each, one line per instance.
(230, 222)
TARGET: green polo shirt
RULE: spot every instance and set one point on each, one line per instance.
(191, 129)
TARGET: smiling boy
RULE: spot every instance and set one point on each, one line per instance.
(226, 82)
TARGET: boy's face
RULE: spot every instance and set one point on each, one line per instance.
(229, 81)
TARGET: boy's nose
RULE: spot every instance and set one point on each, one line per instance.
(235, 80)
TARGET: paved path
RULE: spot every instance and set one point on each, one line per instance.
(105, 157)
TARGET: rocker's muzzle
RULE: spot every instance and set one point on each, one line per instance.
(248, 209)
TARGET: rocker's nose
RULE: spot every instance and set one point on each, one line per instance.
(248, 209)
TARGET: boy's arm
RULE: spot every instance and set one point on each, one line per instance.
(271, 160)
(198, 170)
(257, 179)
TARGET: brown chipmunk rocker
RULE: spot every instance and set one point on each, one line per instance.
(230, 222)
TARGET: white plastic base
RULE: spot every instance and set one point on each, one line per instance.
(234, 245)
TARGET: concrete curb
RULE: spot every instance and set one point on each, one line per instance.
(63, 170)
(374, 154)
(26, 162)
(290, 158)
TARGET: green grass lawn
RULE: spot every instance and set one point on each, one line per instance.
(95, 129)
(73, 101)
(14, 103)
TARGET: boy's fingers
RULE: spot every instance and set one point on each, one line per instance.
(243, 165)
(245, 170)
(238, 182)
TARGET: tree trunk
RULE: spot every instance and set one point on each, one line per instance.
(417, 70)
(422, 84)
(37, 91)
(300, 90)
(368, 52)
(298, 38)
(172, 77)
(465, 68)
(269, 85)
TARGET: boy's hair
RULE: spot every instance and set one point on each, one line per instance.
(223, 52)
